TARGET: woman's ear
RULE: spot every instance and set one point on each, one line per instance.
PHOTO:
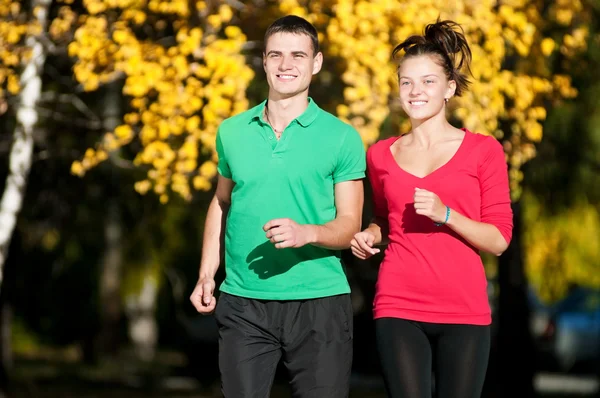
(451, 90)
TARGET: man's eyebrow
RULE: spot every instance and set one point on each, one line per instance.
(293, 52)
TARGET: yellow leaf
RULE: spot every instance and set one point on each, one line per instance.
(233, 32)
(214, 21)
(123, 132)
(13, 86)
(142, 186)
(208, 169)
(225, 13)
(547, 46)
(77, 169)
(201, 183)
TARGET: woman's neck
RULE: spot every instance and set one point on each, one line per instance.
(429, 132)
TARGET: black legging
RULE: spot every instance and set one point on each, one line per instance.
(412, 352)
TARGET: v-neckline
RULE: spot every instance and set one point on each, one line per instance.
(437, 170)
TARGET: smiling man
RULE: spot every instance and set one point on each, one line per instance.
(290, 195)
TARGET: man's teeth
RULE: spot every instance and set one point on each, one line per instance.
(286, 77)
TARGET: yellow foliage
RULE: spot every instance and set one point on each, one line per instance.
(561, 250)
(14, 27)
(181, 88)
(363, 33)
(179, 91)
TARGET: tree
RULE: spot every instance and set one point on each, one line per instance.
(184, 73)
(23, 56)
(562, 199)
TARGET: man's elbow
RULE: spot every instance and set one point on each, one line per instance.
(354, 224)
(224, 201)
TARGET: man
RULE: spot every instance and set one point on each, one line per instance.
(290, 188)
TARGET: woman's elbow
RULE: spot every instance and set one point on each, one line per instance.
(501, 246)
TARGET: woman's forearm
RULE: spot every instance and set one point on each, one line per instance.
(485, 237)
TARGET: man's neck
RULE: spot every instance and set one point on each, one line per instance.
(281, 111)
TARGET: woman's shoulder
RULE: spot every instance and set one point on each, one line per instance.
(377, 152)
(379, 147)
(483, 142)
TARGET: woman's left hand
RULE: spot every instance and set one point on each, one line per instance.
(429, 205)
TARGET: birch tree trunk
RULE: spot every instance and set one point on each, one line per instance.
(140, 309)
(20, 158)
(111, 266)
(22, 147)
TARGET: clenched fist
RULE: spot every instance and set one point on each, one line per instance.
(203, 297)
(429, 205)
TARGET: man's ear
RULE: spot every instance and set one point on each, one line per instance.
(317, 63)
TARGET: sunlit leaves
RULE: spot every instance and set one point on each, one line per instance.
(181, 86)
(185, 77)
(508, 95)
(562, 249)
(15, 26)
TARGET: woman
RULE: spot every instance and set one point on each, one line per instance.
(440, 196)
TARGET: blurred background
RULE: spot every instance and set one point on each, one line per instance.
(108, 115)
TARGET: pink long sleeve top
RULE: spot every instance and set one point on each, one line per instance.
(430, 273)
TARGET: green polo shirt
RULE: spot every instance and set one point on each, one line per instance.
(292, 177)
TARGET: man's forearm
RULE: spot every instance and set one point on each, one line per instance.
(336, 234)
(211, 244)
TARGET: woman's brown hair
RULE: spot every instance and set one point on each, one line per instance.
(445, 40)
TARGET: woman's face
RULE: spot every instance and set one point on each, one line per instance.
(424, 87)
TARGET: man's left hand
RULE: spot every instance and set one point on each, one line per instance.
(284, 232)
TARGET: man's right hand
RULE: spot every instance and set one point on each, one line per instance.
(202, 297)
(362, 245)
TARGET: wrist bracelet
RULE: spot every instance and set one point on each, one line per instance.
(439, 224)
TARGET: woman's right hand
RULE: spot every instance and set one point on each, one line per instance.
(362, 245)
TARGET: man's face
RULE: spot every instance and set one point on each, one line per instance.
(289, 62)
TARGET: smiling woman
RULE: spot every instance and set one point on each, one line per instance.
(440, 196)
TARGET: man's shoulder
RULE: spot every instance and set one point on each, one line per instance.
(243, 119)
(335, 123)
(336, 129)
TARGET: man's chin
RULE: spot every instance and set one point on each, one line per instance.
(288, 93)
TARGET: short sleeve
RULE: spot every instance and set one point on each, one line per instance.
(222, 166)
(351, 162)
(495, 190)
(380, 207)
